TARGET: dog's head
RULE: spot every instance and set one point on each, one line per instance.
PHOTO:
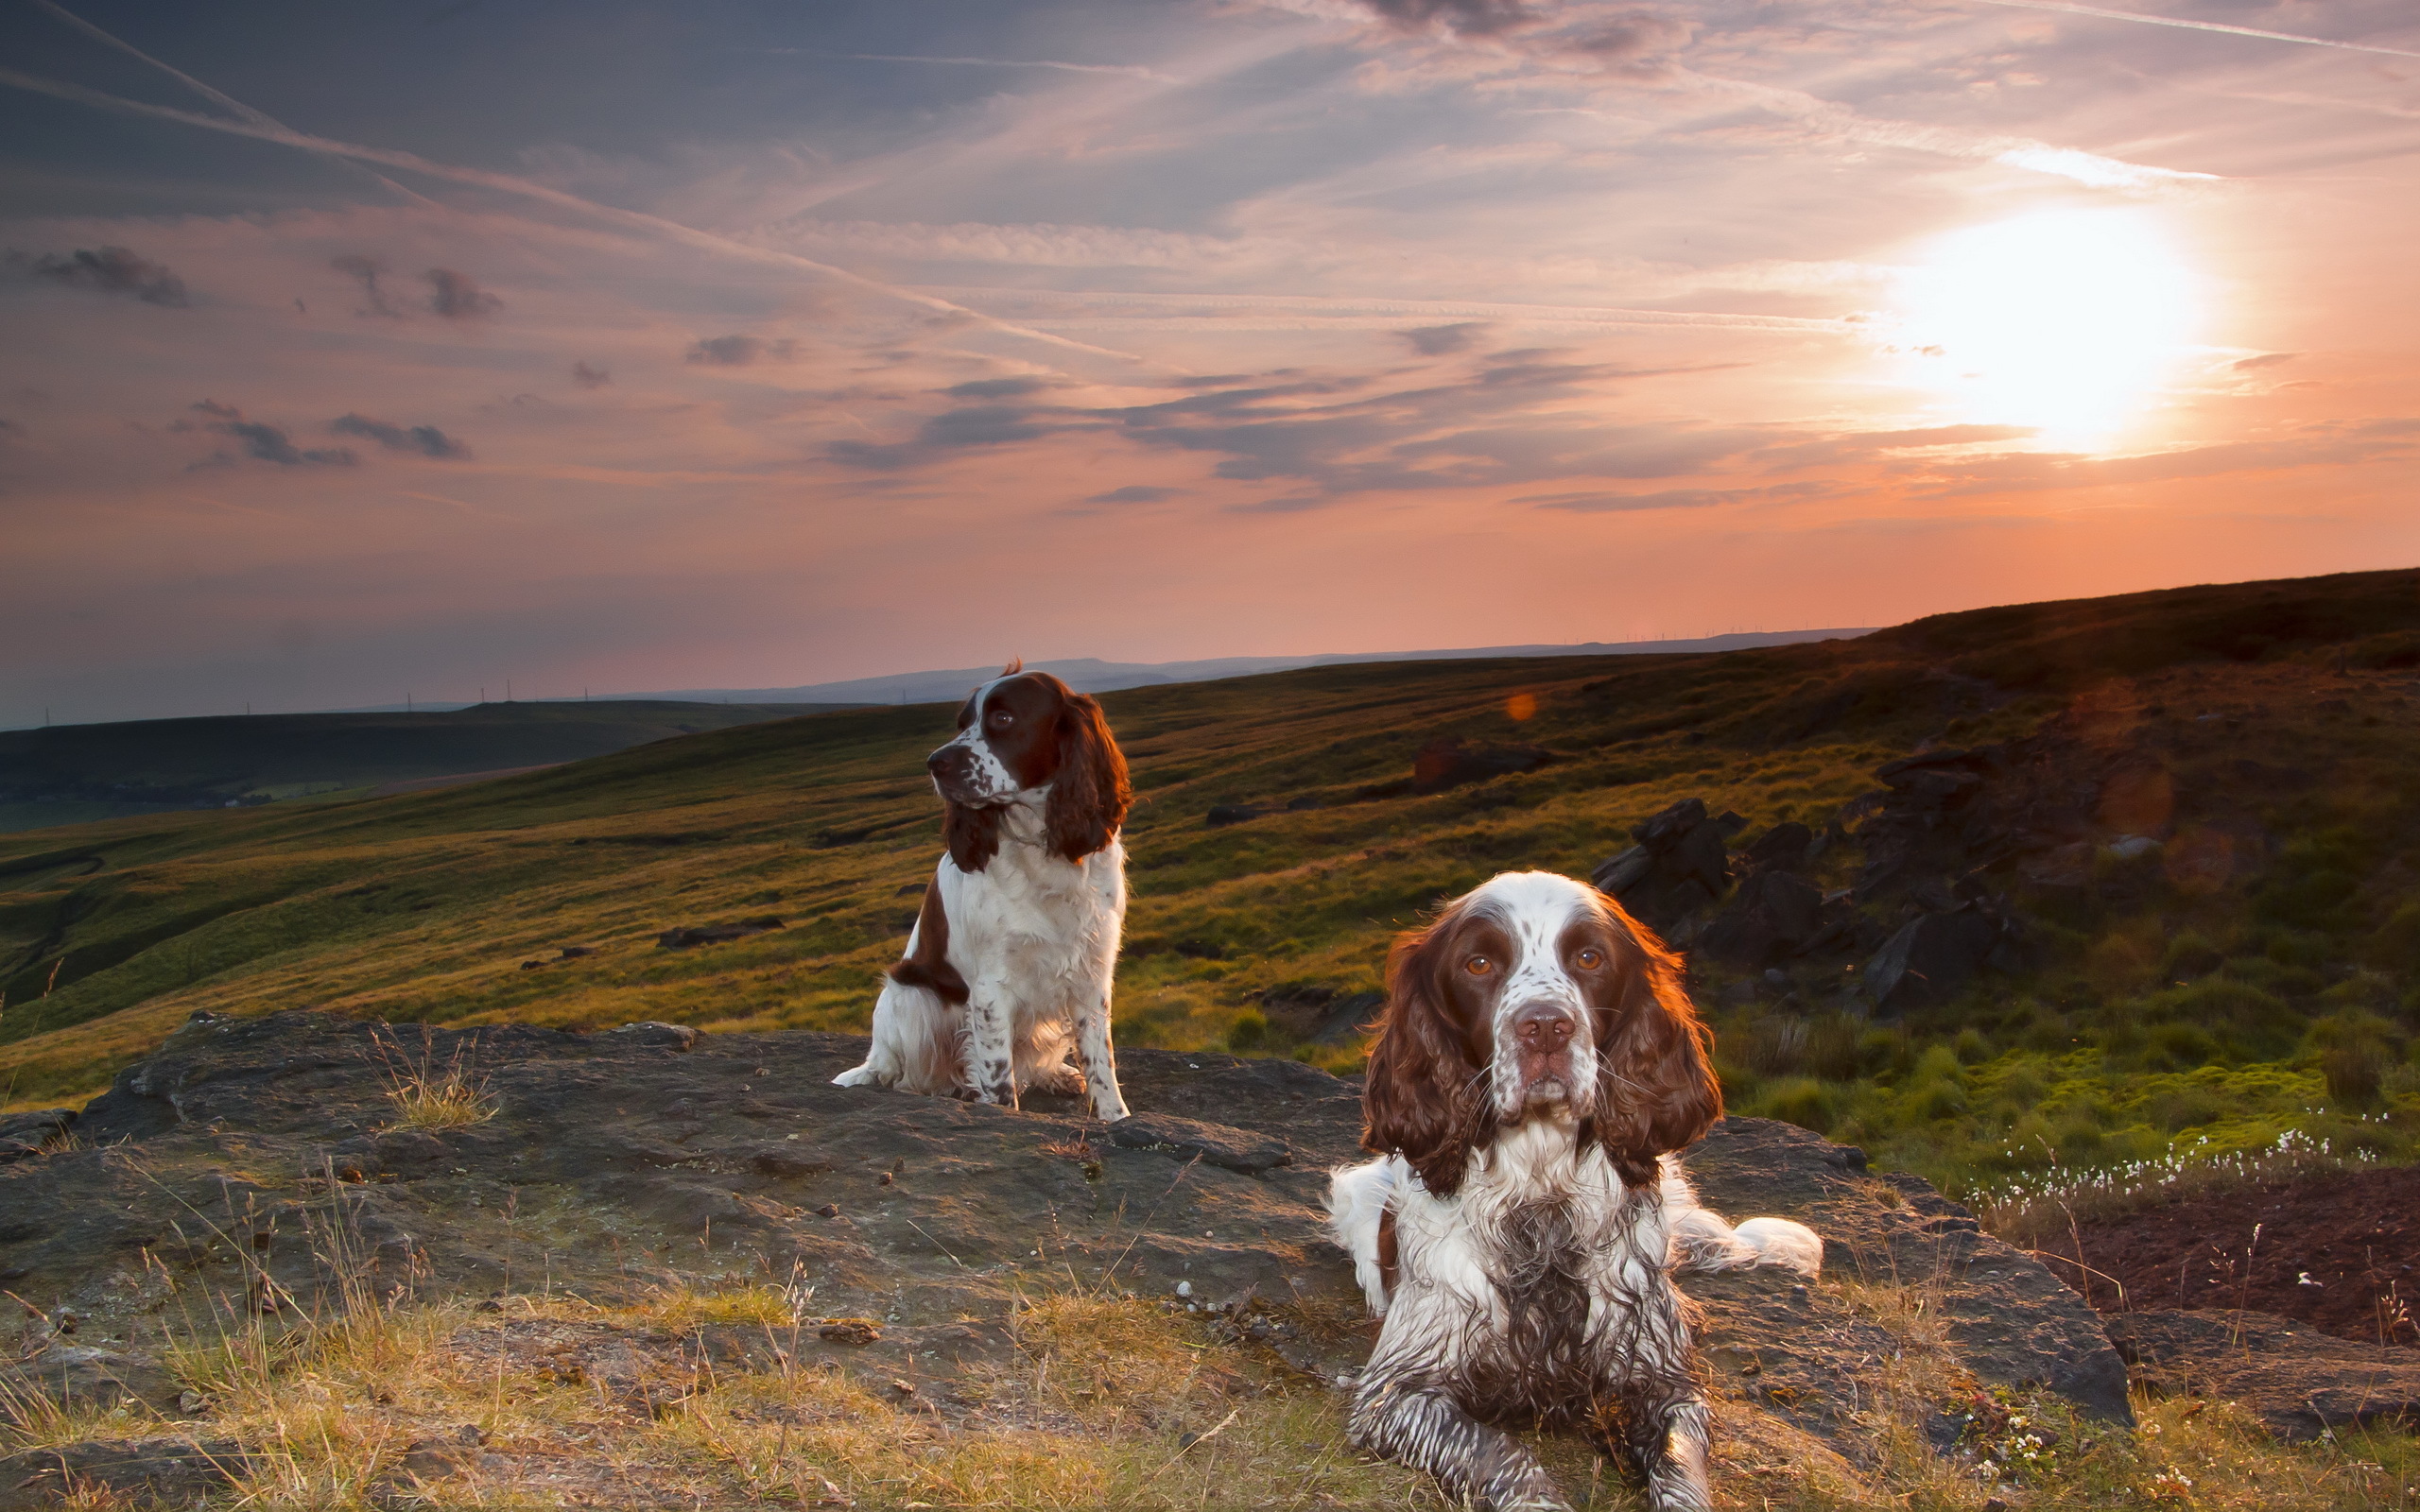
(1026, 737)
(1536, 996)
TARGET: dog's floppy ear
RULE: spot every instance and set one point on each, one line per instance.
(972, 835)
(1656, 1090)
(1090, 795)
(1425, 1098)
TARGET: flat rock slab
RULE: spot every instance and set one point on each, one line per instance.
(1231, 1149)
(2298, 1381)
(618, 1162)
(146, 1471)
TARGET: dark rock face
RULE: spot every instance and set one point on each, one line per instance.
(1776, 916)
(1930, 957)
(613, 1158)
(2299, 1383)
(1785, 846)
(1681, 865)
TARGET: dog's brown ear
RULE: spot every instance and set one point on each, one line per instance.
(1090, 795)
(1656, 1090)
(1425, 1099)
(972, 835)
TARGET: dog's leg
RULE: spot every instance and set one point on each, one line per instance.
(1426, 1430)
(990, 1044)
(1099, 1060)
(1668, 1433)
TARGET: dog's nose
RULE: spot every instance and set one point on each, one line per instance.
(939, 761)
(1544, 1028)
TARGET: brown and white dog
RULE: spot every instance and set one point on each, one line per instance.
(1536, 1068)
(1012, 954)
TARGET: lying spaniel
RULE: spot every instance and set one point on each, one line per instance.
(1536, 1067)
(1013, 950)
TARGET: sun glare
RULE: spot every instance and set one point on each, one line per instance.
(2068, 321)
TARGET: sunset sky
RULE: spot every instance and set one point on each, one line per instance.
(349, 350)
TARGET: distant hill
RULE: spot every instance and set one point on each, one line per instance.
(1092, 675)
(74, 773)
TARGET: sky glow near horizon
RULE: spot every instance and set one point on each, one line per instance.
(753, 345)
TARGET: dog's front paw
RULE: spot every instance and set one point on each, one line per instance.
(1109, 1110)
(858, 1076)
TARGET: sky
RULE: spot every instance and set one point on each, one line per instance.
(354, 352)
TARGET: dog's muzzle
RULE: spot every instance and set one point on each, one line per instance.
(1542, 1038)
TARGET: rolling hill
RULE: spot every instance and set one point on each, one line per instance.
(2146, 995)
(73, 773)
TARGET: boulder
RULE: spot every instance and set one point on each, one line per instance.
(1680, 864)
(1774, 917)
(1784, 846)
(1930, 958)
(2297, 1382)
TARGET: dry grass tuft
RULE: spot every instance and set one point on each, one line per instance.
(429, 1094)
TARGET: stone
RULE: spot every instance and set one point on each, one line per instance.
(1231, 1150)
(1785, 846)
(1775, 916)
(1930, 957)
(657, 1035)
(29, 1133)
(161, 1471)
(2297, 1382)
(1222, 815)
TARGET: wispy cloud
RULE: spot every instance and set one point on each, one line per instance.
(1125, 70)
(2223, 29)
(628, 220)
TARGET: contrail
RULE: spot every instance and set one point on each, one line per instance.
(2200, 25)
(222, 100)
(1129, 70)
(506, 183)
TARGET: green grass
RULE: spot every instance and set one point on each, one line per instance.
(2160, 1009)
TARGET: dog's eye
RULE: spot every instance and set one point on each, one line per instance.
(1589, 958)
(1002, 719)
(1480, 965)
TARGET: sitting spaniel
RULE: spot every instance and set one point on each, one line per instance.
(1536, 1067)
(1012, 952)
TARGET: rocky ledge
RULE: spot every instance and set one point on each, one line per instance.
(268, 1158)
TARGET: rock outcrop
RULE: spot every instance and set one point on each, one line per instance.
(266, 1157)
(2298, 1381)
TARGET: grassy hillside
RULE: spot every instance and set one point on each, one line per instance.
(2157, 1002)
(74, 773)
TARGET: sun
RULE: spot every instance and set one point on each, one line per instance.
(2067, 321)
